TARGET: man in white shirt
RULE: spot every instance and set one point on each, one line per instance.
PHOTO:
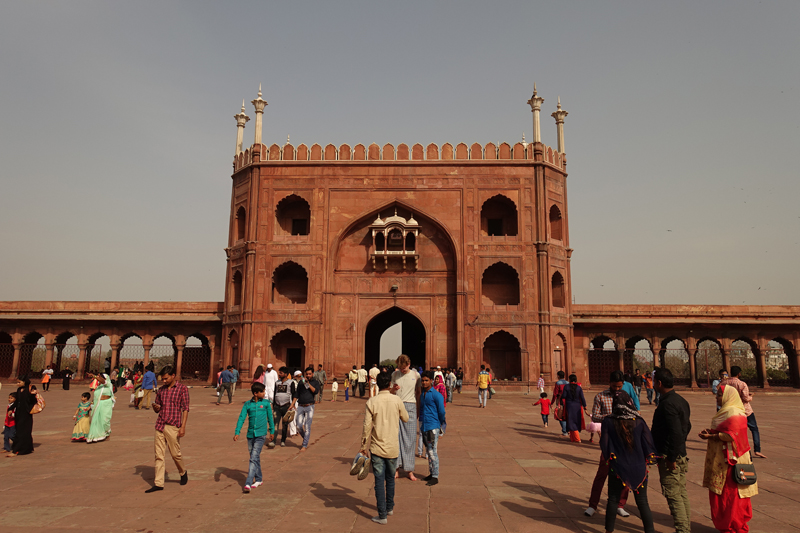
(407, 386)
(270, 378)
(362, 380)
(373, 385)
(439, 373)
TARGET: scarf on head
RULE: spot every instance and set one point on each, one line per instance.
(623, 407)
(731, 420)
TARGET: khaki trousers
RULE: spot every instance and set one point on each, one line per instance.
(146, 398)
(334, 393)
(167, 439)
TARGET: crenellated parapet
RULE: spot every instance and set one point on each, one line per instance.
(462, 153)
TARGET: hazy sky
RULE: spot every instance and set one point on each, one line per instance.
(117, 130)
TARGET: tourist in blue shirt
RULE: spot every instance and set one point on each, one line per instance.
(431, 420)
(148, 386)
(226, 384)
(260, 428)
(627, 386)
(235, 374)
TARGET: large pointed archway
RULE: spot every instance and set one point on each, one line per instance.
(411, 339)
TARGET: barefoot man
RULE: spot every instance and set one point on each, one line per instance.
(406, 385)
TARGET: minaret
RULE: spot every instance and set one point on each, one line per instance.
(536, 105)
(241, 119)
(259, 103)
(559, 115)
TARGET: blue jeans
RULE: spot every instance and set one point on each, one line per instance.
(563, 426)
(431, 441)
(449, 395)
(8, 435)
(544, 418)
(649, 395)
(305, 416)
(482, 395)
(638, 392)
(753, 425)
(383, 469)
(254, 446)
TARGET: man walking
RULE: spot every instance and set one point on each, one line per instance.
(450, 384)
(226, 385)
(270, 378)
(483, 383)
(353, 377)
(671, 427)
(602, 408)
(284, 397)
(172, 406)
(747, 397)
(431, 419)
(382, 418)
(322, 379)
(648, 385)
(235, 374)
(373, 384)
(406, 386)
(306, 390)
(362, 380)
(637, 383)
(148, 386)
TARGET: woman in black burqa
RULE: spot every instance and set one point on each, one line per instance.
(626, 442)
(23, 443)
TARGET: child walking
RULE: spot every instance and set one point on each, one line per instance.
(346, 389)
(260, 428)
(10, 427)
(334, 389)
(545, 403)
(83, 422)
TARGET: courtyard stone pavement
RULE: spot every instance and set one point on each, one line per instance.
(501, 471)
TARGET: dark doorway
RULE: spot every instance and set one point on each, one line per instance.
(294, 357)
(412, 339)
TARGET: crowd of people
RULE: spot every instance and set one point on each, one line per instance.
(405, 418)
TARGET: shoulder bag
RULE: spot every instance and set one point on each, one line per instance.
(745, 474)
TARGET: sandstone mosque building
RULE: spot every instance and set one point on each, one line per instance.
(466, 245)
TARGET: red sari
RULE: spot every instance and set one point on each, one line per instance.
(731, 508)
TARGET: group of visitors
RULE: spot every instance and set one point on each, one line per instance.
(628, 446)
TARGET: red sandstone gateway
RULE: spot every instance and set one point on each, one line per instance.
(467, 246)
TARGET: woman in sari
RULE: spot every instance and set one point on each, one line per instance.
(627, 442)
(102, 408)
(574, 403)
(728, 446)
(26, 400)
(441, 389)
(137, 389)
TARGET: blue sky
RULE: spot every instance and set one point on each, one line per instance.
(116, 131)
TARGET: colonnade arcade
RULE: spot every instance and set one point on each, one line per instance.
(767, 358)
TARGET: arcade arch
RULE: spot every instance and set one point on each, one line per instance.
(500, 285)
(6, 354)
(293, 215)
(196, 360)
(412, 338)
(743, 354)
(499, 217)
(501, 353)
(603, 359)
(708, 360)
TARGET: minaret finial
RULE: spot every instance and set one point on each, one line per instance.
(259, 103)
(534, 88)
(287, 139)
(241, 119)
(536, 102)
(242, 105)
(559, 115)
(559, 102)
(259, 89)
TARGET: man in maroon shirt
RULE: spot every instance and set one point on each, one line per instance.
(172, 406)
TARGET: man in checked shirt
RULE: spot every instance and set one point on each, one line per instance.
(172, 406)
(602, 408)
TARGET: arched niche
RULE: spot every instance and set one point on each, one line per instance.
(293, 215)
(499, 217)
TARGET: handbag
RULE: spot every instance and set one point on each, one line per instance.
(745, 474)
(40, 405)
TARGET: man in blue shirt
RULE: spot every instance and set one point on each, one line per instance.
(148, 386)
(226, 384)
(627, 386)
(431, 420)
(235, 374)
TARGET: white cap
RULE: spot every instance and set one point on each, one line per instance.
(439, 367)
(298, 373)
(269, 365)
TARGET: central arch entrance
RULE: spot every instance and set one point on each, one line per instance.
(411, 338)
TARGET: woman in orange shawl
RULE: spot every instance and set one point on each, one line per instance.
(728, 446)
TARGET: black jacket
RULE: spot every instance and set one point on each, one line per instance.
(671, 426)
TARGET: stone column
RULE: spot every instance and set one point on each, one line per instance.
(692, 367)
(211, 355)
(761, 361)
(259, 103)
(15, 364)
(559, 115)
(241, 120)
(536, 105)
(725, 348)
(48, 358)
(114, 356)
(81, 361)
(179, 359)
(147, 348)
